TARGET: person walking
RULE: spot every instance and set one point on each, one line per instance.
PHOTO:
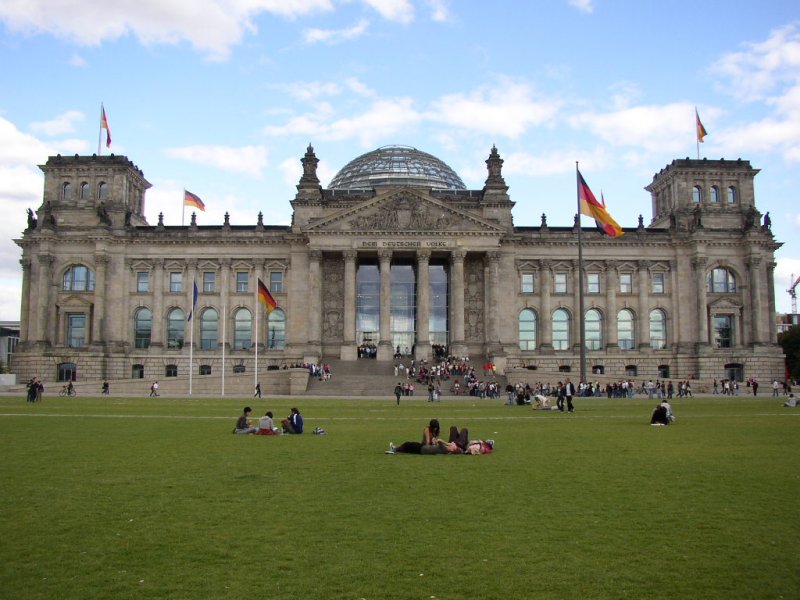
(258, 390)
(154, 390)
(398, 391)
(569, 392)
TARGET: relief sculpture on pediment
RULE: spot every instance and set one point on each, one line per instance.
(402, 214)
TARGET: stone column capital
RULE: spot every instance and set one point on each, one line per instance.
(25, 263)
(753, 261)
(45, 259)
(493, 256)
(350, 255)
(315, 255)
(101, 259)
(458, 255)
(423, 256)
(699, 262)
(385, 255)
(643, 265)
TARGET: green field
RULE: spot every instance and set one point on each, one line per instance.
(155, 498)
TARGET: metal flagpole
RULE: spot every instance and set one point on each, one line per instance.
(191, 343)
(255, 370)
(100, 130)
(183, 206)
(582, 327)
(224, 322)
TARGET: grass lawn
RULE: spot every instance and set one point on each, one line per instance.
(155, 498)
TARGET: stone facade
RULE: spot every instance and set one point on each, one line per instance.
(106, 295)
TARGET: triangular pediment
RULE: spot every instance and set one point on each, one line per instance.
(725, 304)
(75, 302)
(403, 210)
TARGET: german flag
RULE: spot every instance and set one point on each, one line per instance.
(190, 199)
(265, 297)
(597, 210)
(701, 131)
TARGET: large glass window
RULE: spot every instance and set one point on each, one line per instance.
(276, 330)
(714, 194)
(276, 282)
(242, 329)
(175, 329)
(560, 283)
(437, 323)
(625, 283)
(560, 329)
(368, 303)
(66, 191)
(723, 331)
(721, 281)
(242, 281)
(142, 327)
(209, 281)
(697, 193)
(102, 191)
(527, 283)
(404, 307)
(593, 283)
(657, 283)
(84, 191)
(625, 337)
(527, 330)
(78, 278)
(593, 329)
(209, 329)
(176, 282)
(658, 329)
(732, 196)
(142, 281)
(76, 330)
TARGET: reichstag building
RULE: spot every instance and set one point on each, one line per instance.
(396, 254)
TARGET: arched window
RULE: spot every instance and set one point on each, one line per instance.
(721, 281)
(561, 329)
(175, 329)
(102, 191)
(625, 329)
(697, 194)
(658, 329)
(66, 191)
(78, 278)
(593, 326)
(84, 191)
(209, 328)
(276, 330)
(242, 329)
(527, 330)
(714, 193)
(142, 327)
(732, 196)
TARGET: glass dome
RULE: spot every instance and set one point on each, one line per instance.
(396, 165)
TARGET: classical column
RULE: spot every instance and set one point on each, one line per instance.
(423, 345)
(773, 328)
(611, 337)
(315, 297)
(699, 266)
(24, 311)
(576, 292)
(350, 257)
(492, 270)
(757, 332)
(157, 332)
(545, 318)
(457, 302)
(644, 309)
(43, 298)
(385, 350)
(99, 317)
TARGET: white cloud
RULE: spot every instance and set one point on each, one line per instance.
(785, 271)
(76, 60)
(63, 123)
(505, 109)
(401, 11)
(557, 162)
(244, 159)
(439, 10)
(582, 5)
(335, 36)
(310, 90)
(211, 26)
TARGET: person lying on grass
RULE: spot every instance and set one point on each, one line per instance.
(457, 443)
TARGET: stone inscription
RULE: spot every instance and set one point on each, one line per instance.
(404, 244)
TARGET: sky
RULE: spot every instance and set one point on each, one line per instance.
(222, 97)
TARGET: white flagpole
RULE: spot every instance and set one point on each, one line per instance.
(100, 131)
(224, 323)
(255, 370)
(191, 341)
(582, 327)
(183, 206)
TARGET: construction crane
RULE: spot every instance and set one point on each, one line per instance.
(793, 292)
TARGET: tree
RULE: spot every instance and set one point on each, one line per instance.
(790, 342)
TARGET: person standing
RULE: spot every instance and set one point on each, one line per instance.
(755, 387)
(569, 392)
(258, 390)
(398, 391)
(560, 392)
(775, 386)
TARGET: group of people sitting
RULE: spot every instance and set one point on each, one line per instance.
(457, 443)
(293, 424)
(662, 414)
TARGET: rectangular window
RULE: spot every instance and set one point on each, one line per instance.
(209, 281)
(142, 281)
(76, 331)
(176, 282)
(560, 283)
(625, 283)
(593, 283)
(242, 281)
(527, 283)
(657, 283)
(276, 282)
(723, 331)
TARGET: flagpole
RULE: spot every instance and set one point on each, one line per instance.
(582, 328)
(255, 370)
(224, 323)
(100, 130)
(183, 206)
(191, 343)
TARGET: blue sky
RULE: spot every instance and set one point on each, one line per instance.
(222, 97)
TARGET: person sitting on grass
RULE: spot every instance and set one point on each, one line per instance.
(428, 445)
(659, 416)
(243, 424)
(266, 425)
(293, 423)
(668, 407)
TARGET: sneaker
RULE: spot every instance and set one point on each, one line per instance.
(389, 452)
(391, 447)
